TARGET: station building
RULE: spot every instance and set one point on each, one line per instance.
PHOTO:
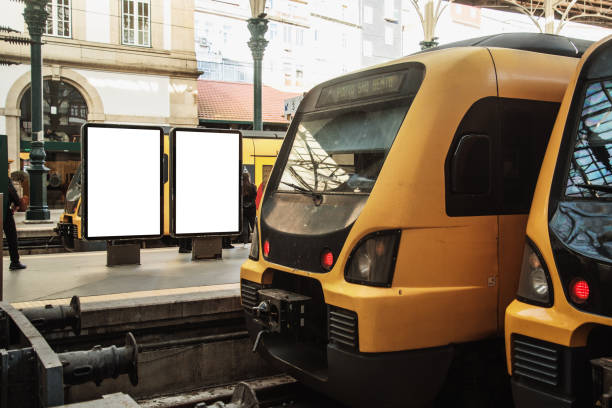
(129, 61)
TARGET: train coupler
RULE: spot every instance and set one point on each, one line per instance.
(280, 311)
(50, 317)
(602, 382)
(100, 363)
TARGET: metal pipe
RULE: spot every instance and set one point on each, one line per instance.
(100, 363)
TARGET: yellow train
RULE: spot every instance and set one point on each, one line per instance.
(259, 151)
(390, 237)
(559, 330)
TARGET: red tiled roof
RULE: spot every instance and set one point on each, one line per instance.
(233, 101)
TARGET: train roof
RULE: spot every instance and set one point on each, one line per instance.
(536, 42)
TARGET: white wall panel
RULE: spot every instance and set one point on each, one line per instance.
(128, 94)
(98, 21)
(8, 76)
(12, 15)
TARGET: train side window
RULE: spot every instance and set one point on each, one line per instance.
(471, 165)
(525, 129)
(517, 132)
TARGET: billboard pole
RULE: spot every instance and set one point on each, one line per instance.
(35, 15)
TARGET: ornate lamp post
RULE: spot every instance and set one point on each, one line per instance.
(258, 25)
(35, 15)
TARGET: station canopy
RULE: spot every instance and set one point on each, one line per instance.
(592, 12)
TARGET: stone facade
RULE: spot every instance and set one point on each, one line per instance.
(152, 84)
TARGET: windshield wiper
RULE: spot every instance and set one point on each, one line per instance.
(604, 189)
(315, 196)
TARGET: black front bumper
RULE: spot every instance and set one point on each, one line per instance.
(397, 379)
(526, 396)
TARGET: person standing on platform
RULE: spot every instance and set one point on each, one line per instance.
(10, 230)
(249, 193)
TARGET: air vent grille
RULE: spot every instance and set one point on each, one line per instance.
(342, 325)
(248, 293)
(539, 361)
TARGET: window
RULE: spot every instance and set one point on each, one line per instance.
(368, 15)
(389, 10)
(316, 35)
(299, 36)
(135, 19)
(344, 41)
(299, 75)
(227, 33)
(273, 32)
(471, 165)
(367, 48)
(514, 132)
(58, 22)
(287, 34)
(388, 36)
(341, 152)
(590, 172)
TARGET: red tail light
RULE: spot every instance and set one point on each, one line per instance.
(266, 248)
(327, 259)
(580, 290)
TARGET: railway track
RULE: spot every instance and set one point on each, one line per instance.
(271, 392)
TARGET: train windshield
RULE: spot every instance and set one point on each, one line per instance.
(341, 152)
(74, 192)
(590, 174)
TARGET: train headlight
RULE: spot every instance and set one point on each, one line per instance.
(254, 253)
(534, 285)
(372, 262)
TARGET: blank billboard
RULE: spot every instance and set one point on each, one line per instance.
(205, 182)
(122, 181)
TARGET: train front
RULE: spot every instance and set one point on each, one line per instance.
(305, 288)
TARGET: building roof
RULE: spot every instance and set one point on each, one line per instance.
(233, 101)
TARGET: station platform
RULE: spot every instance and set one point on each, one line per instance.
(55, 276)
(29, 230)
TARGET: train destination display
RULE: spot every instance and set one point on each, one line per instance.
(205, 182)
(122, 186)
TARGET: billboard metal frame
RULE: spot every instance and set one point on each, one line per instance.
(84, 203)
(173, 183)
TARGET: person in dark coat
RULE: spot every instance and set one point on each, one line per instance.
(249, 193)
(10, 230)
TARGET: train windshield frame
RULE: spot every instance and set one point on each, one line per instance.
(340, 147)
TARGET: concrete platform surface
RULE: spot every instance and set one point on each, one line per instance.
(27, 230)
(57, 276)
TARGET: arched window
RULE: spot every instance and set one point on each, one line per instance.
(64, 111)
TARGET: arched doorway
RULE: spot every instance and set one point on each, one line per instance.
(64, 112)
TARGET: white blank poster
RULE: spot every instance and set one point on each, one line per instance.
(123, 173)
(207, 181)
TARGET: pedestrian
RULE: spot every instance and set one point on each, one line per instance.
(249, 193)
(10, 230)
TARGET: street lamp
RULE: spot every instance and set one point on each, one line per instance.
(258, 25)
(35, 15)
